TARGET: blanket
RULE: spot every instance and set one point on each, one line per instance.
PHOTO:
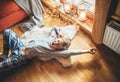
(36, 33)
(34, 9)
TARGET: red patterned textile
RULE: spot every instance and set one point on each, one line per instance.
(10, 13)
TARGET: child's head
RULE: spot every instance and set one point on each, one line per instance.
(60, 43)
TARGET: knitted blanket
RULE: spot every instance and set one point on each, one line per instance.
(34, 9)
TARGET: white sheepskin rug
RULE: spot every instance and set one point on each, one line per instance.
(36, 33)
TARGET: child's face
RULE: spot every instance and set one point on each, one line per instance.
(57, 43)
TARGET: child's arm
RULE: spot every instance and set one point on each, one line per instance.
(66, 53)
(59, 33)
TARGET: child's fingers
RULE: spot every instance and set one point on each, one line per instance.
(93, 50)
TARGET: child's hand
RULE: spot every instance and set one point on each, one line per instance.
(60, 35)
(92, 51)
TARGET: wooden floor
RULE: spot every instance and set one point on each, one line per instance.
(101, 67)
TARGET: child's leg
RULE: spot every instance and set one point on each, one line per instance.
(12, 42)
(11, 62)
(5, 43)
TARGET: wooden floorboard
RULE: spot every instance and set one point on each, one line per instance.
(104, 66)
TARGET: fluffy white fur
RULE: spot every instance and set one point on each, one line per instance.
(36, 33)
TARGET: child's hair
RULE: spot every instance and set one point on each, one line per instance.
(66, 43)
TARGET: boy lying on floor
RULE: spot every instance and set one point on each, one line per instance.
(55, 46)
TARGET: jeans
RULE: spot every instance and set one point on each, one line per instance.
(11, 42)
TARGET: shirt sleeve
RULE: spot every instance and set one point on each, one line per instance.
(64, 53)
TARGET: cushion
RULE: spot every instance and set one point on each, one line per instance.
(7, 7)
